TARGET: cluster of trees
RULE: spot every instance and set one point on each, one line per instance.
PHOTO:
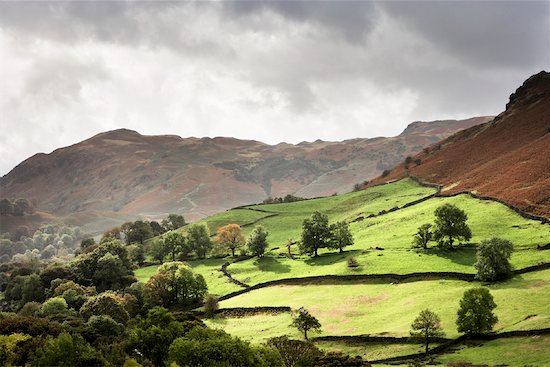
(47, 242)
(317, 234)
(278, 200)
(359, 186)
(475, 316)
(493, 255)
(450, 226)
(18, 207)
(179, 246)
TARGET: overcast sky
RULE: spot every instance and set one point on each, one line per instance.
(269, 71)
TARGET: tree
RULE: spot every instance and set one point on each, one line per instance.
(304, 321)
(208, 347)
(106, 303)
(138, 231)
(493, 259)
(450, 225)
(175, 242)
(56, 306)
(427, 325)
(87, 242)
(475, 315)
(423, 236)
(156, 249)
(66, 350)
(230, 236)
(257, 241)
(174, 221)
(198, 238)
(175, 284)
(211, 305)
(296, 352)
(315, 234)
(341, 236)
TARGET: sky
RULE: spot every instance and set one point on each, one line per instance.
(274, 71)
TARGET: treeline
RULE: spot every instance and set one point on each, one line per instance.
(47, 242)
(18, 207)
(287, 199)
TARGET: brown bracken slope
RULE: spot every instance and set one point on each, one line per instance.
(122, 175)
(507, 158)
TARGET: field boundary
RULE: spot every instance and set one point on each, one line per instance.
(388, 278)
(440, 349)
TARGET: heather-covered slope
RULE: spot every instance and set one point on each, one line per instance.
(120, 175)
(507, 158)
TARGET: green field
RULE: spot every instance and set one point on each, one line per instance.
(349, 308)
(382, 245)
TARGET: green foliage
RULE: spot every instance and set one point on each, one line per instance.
(174, 221)
(103, 326)
(7, 347)
(450, 225)
(206, 347)
(211, 305)
(340, 236)
(136, 253)
(475, 315)
(30, 325)
(493, 259)
(24, 288)
(56, 306)
(106, 303)
(138, 231)
(176, 243)
(66, 350)
(304, 321)
(423, 236)
(175, 284)
(315, 234)
(198, 238)
(257, 241)
(426, 325)
(154, 335)
(296, 352)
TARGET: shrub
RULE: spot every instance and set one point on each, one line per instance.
(352, 262)
(211, 305)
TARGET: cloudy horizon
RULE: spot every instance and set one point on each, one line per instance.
(271, 71)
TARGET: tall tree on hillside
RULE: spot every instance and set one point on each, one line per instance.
(230, 236)
(493, 259)
(475, 315)
(174, 221)
(138, 231)
(341, 236)
(304, 321)
(315, 234)
(198, 238)
(257, 241)
(423, 236)
(450, 225)
(427, 325)
(174, 243)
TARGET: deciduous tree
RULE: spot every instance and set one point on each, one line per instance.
(427, 325)
(450, 225)
(493, 259)
(304, 321)
(315, 234)
(341, 236)
(257, 241)
(475, 315)
(230, 236)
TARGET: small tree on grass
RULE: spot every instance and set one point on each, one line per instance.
(295, 352)
(475, 315)
(316, 234)
(493, 259)
(175, 242)
(423, 236)
(198, 238)
(230, 236)
(304, 321)
(450, 225)
(427, 325)
(341, 236)
(257, 241)
(211, 305)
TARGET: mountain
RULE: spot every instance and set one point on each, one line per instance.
(119, 175)
(507, 158)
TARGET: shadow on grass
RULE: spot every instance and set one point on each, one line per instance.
(331, 258)
(271, 264)
(465, 255)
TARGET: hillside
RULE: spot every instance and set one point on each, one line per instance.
(508, 158)
(371, 300)
(119, 175)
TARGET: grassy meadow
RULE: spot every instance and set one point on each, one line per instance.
(382, 245)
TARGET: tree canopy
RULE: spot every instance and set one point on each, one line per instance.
(475, 315)
(450, 225)
(493, 259)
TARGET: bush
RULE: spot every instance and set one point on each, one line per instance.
(352, 262)
(66, 350)
(211, 305)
